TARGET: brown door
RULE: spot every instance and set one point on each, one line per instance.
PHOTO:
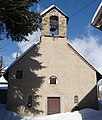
(53, 105)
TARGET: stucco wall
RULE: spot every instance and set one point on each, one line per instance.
(51, 57)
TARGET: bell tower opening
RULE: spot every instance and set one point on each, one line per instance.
(54, 23)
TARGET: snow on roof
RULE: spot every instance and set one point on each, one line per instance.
(99, 82)
(2, 80)
(3, 83)
(3, 86)
(49, 8)
(98, 9)
(79, 54)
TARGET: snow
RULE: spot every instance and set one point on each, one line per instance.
(3, 83)
(2, 80)
(51, 8)
(85, 114)
(47, 9)
(3, 87)
(96, 13)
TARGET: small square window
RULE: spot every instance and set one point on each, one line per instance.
(19, 74)
(53, 80)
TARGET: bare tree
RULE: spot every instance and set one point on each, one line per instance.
(1, 65)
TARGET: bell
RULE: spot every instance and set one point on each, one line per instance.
(53, 23)
(52, 29)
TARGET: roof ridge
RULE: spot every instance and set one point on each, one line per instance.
(97, 10)
(50, 7)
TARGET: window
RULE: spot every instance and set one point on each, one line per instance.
(19, 74)
(54, 25)
(75, 100)
(29, 103)
(53, 80)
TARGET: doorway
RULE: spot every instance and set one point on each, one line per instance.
(53, 105)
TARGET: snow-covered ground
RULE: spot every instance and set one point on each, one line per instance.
(85, 114)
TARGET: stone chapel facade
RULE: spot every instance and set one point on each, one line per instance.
(51, 77)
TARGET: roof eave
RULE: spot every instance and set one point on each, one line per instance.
(84, 59)
(96, 17)
(50, 8)
(5, 75)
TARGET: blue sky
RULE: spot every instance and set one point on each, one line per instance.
(85, 38)
(78, 23)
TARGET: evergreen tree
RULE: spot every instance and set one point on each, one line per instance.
(16, 20)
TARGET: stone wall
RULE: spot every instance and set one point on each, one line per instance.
(62, 23)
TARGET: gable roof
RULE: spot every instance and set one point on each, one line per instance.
(82, 57)
(97, 18)
(74, 50)
(3, 83)
(21, 56)
(53, 7)
(2, 80)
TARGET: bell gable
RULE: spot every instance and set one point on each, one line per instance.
(54, 22)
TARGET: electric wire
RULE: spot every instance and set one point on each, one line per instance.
(80, 10)
(4, 46)
(7, 53)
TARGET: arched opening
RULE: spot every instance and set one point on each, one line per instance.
(54, 25)
(76, 101)
(29, 102)
(53, 80)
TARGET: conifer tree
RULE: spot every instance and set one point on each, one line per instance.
(16, 20)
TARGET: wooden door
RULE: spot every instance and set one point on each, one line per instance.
(53, 105)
